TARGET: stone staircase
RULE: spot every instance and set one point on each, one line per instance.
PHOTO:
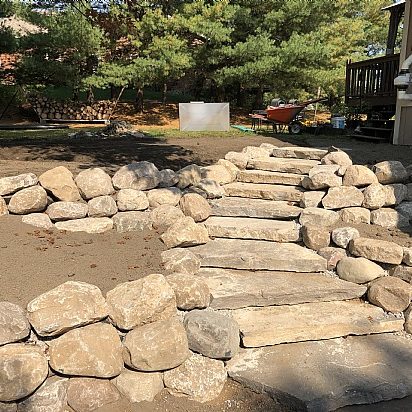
(308, 338)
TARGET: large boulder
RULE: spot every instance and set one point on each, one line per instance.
(137, 175)
(141, 301)
(390, 293)
(192, 292)
(359, 176)
(230, 167)
(318, 217)
(131, 199)
(59, 211)
(59, 182)
(168, 178)
(355, 215)
(212, 334)
(139, 386)
(23, 368)
(374, 196)
(164, 216)
(12, 184)
(358, 270)
(343, 235)
(93, 350)
(337, 158)
(88, 225)
(14, 325)
(219, 173)
(238, 159)
(389, 218)
(131, 221)
(156, 346)
(210, 189)
(185, 232)
(102, 206)
(402, 272)
(65, 307)
(29, 200)
(195, 206)
(189, 175)
(180, 260)
(395, 194)
(390, 172)
(199, 379)
(94, 182)
(378, 250)
(40, 220)
(164, 196)
(344, 196)
(321, 180)
(315, 237)
(311, 199)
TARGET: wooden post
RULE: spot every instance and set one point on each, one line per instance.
(403, 121)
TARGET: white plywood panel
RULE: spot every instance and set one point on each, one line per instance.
(204, 116)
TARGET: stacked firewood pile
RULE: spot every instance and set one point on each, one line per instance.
(48, 109)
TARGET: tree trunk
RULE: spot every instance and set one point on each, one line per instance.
(90, 95)
(139, 99)
(259, 98)
(164, 93)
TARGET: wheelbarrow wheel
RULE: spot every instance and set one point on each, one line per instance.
(295, 128)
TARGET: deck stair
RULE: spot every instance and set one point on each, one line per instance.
(376, 130)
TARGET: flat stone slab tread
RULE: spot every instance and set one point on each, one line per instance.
(252, 228)
(259, 255)
(265, 191)
(258, 208)
(325, 375)
(234, 289)
(312, 321)
(264, 176)
(274, 164)
(299, 152)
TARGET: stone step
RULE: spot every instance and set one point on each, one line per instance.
(259, 255)
(258, 208)
(274, 178)
(312, 321)
(274, 164)
(252, 228)
(299, 152)
(235, 289)
(325, 375)
(264, 191)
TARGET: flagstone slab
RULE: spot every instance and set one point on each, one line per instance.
(235, 289)
(299, 166)
(264, 176)
(299, 152)
(259, 255)
(325, 375)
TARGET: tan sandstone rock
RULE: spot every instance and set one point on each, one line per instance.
(395, 194)
(12, 184)
(131, 199)
(131, 221)
(102, 206)
(318, 217)
(137, 175)
(195, 206)
(164, 196)
(59, 181)
(59, 211)
(358, 270)
(389, 218)
(185, 232)
(390, 172)
(344, 196)
(38, 219)
(94, 182)
(164, 216)
(88, 225)
(357, 175)
(402, 272)
(219, 173)
(210, 189)
(337, 158)
(408, 320)
(407, 256)
(189, 175)
(14, 325)
(231, 167)
(238, 159)
(374, 196)
(29, 200)
(315, 237)
(333, 255)
(322, 180)
(343, 235)
(141, 301)
(180, 260)
(311, 199)
(3, 207)
(355, 215)
(378, 250)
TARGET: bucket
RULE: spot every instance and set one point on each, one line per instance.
(338, 122)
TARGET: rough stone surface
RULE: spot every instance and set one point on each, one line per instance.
(23, 368)
(29, 200)
(378, 250)
(180, 260)
(343, 235)
(298, 166)
(315, 237)
(141, 301)
(408, 320)
(8, 407)
(233, 289)
(102, 206)
(139, 386)
(274, 325)
(312, 199)
(94, 182)
(390, 172)
(266, 177)
(389, 218)
(358, 270)
(40, 220)
(355, 215)
(251, 228)
(355, 370)
(93, 350)
(50, 397)
(299, 152)
(374, 196)
(232, 168)
(88, 394)
(390, 293)
(259, 255)
(210, 188)
(199, 379)
(137, 175)
(164, 196)
(189, 175)
(195, 206)
(14, 325)
(156, 346)
(164, 216)
(402, 272)
(12, 184)
(3, 207)
(333, 255)
(218, 173)
(254, 152)
(131, 221)
(254, 208)
(318, 217)
(59, 211)
(185, 232)
(409, 194)
(168, 178)
(359, 176)
(212, 334)
(344, 196)
(65, 307)
(395, 194)
(191, 291)
(59, 181)
(406, 209)
(131, 199)
(321, 180)
(88, 225)
(238, 159)
(407, 256)
(337, 158)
